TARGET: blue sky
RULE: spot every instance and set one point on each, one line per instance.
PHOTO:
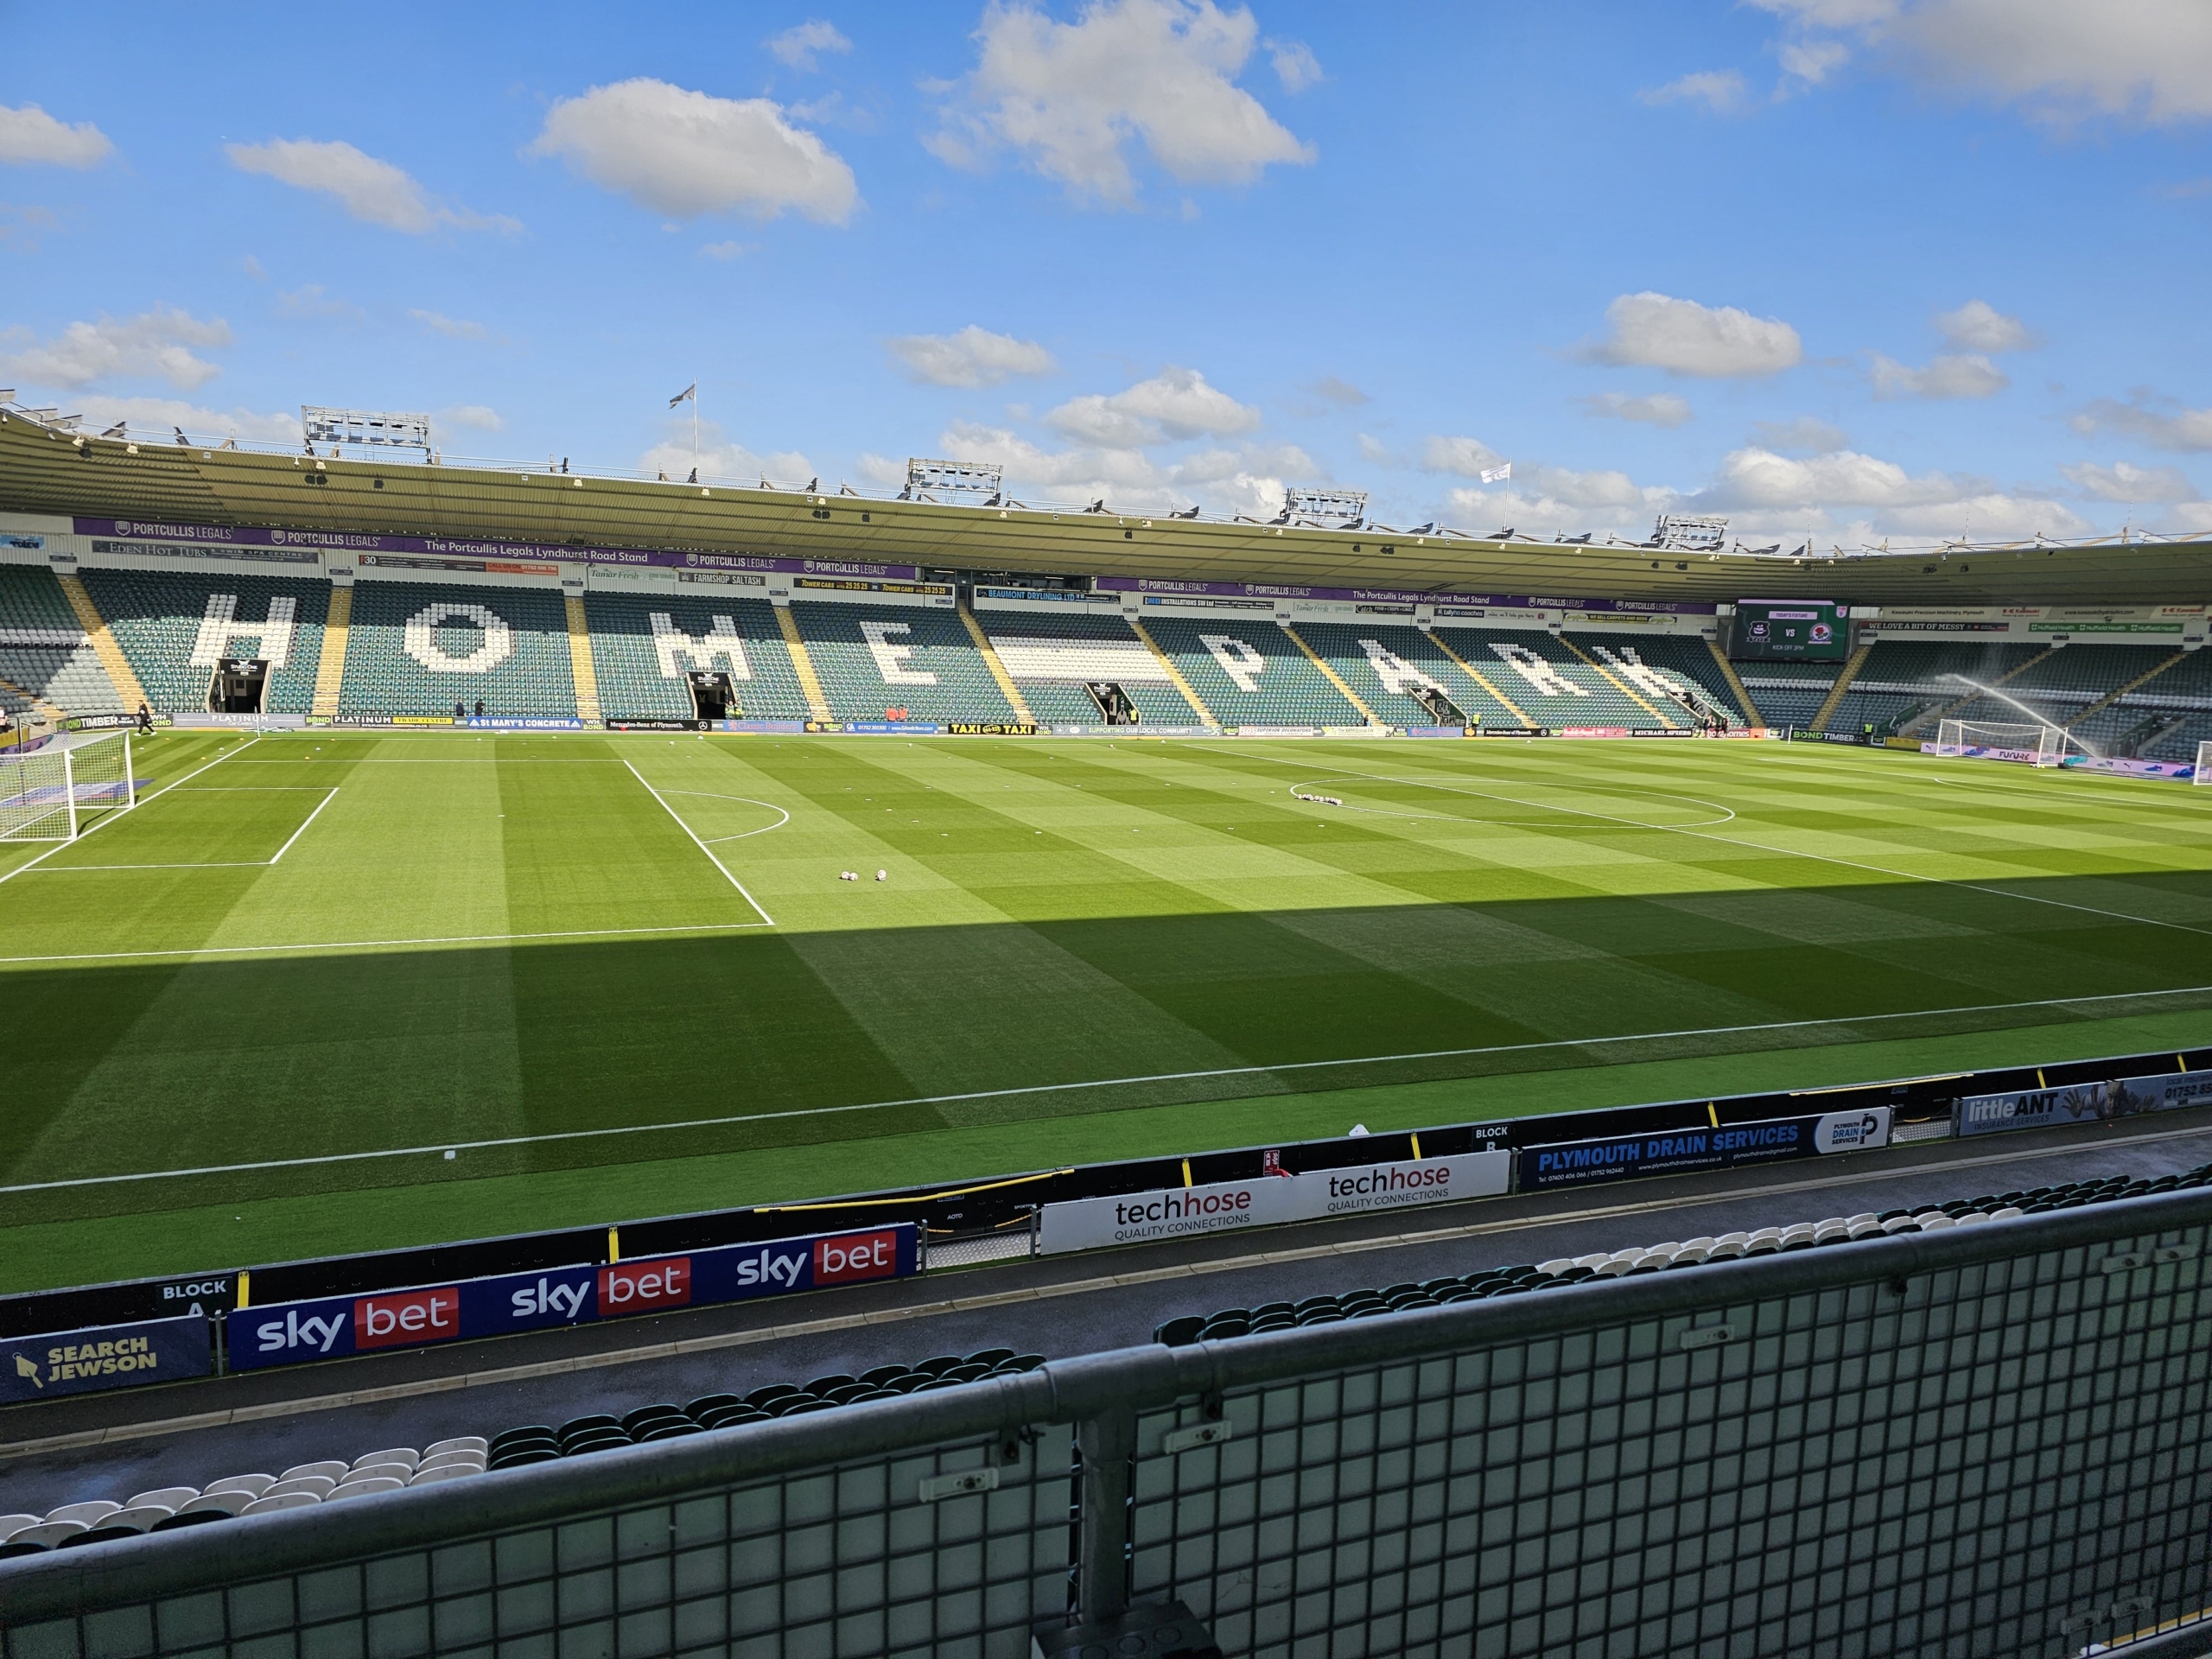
(1843, 270)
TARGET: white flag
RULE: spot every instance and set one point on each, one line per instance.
(690, 392)
(1499, 475)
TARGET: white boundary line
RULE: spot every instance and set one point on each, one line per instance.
(702, 845)
(146, 801)
(234, 864)
(376, 945)
(710, 795)
(443, 1146)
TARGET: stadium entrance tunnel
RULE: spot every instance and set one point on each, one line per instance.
(237, 686)
(574, 1075)
(712, 697)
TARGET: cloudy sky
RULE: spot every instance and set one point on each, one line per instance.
(1849, 269)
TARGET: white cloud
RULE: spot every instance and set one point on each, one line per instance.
(974, 357)
(22, 227)
(1758, 478)
(1805, 432)
(723, 458)
(722, 252)
(451, 328)
(1720, 91)
(1174, 404)
(797, 45)
(1295, 66)
(31, 138)
(156, 418)
(372, 191)
(2146, 61)
(1965, 375)
(1978, 326)
(2124, 482)
(477, 417)
(684, 154)
(2162, 423)
(1069, 97)
(1468, 457)
(1686, 338)
(1660, 409)
(1373, 449)
(1813, 61)
(1341, 393)
(157, 343)
(312, 300)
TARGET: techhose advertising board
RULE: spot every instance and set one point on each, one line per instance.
(1726, 1145)
(105, 1356)
(332, 1327)
(1268, 1200)
(2082, 1103)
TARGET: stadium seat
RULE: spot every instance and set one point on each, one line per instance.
(643, 644)
(44, 655)
(419, 648)
(161, 619)
(1386, 662)
(1248, 671)
(874, 660)
(1051, 658)
(1549, 682)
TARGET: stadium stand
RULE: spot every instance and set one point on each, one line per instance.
(1231, 1322)
(914, 658)
(2066, 684)
(46, 666)
(1904, 683)
(1389, 663)
(420, 648)
(1053, 658)
(1788, 694)
(1249, 673)
(85, 1521)
(1663, 667)
(2169, 714)
(173, 629)
(80, 1523)
(1552, 683)
(643, 645)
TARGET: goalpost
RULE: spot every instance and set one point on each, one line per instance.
(2048, 745)
(57, 792)
(2203, 772)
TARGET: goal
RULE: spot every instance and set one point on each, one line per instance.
(2038, 741)
(2202, 774)
(57, 792)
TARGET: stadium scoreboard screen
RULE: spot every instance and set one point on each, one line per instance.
(1789, 630)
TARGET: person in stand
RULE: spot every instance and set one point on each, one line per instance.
(480, 707)
(460, 711)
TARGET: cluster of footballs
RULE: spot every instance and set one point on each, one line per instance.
(854, 875)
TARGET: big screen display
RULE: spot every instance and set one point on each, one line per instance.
(1789, 630)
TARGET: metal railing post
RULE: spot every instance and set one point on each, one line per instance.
(1108, 1445)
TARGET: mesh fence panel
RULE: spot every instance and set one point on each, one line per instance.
(2006, 1460)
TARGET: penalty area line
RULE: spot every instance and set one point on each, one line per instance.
(379, 944)
(32, 863)
(443, 1146)
(700, 844)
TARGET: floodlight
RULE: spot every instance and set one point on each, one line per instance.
(954, 478)
(356, 426)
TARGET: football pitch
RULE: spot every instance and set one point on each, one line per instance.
(328, 992)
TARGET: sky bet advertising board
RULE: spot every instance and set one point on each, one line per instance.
(1726, 1145)
(332, 1327)
(1789, 631)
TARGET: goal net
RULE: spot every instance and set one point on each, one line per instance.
(2203, 772)
(2037, 742)
(57, 792)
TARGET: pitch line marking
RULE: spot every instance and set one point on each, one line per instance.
(234, 864)
(716, 841)
(147, 801)
(371, 945)
(441, 1146)
(700, 844)
(1783, 852)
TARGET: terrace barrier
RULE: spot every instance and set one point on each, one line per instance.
(1989, 1439)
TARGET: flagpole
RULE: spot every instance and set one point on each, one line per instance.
(695, 426)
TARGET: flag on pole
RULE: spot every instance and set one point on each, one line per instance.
(691, 392)
(1499, 475)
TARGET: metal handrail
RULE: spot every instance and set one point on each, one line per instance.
(1098, 1394)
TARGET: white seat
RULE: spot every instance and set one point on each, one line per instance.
(217, 1503)
(1692, 1253)
(14, 1523)
(431, 1477)
(1898, 1224)
(276, 1501)
(1700, 1243)
(1660, 1256)
(138, 1517)
(366, 1488)
(334, 1469)
(1864, 1216)
(448, 1460)
(48, 1534)
(1558, 1264)
(316, 1486)
(1727, 1249)
(2006, 1213)
(170, 1497)
(1868, 1229)
(475, 1443)
(398, 1472)
(1935, 1224)
(252, 1486)
(406, 1454)
(1796, 1230)
(90, 1513)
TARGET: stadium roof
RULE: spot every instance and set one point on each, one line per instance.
(49, 469)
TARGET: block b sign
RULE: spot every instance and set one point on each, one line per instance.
(334, 1327)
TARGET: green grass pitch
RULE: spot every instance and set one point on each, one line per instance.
(618, 976)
